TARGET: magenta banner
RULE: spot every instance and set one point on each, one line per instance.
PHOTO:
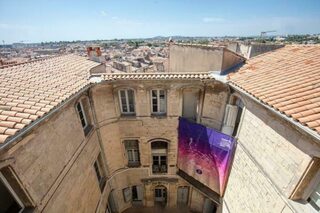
(205, 154)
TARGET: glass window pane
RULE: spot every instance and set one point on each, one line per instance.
(154, 94)
(162, 94)
(154, 100)
(136, 155)
(162, 105)
(96, 167)
(81, 115)
(78, 107)
(162, 101)
(156, 160)
(131, 100)
(163, 160)
(123, 101)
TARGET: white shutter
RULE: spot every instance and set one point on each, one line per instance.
(229, 119)
(140, 192)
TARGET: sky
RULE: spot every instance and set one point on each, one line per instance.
(67, 20)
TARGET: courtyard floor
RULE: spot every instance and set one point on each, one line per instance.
(157, 209)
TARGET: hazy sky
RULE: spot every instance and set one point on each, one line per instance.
(55, 20)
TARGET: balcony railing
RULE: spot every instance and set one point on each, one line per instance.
(159, 169)
(134, 164)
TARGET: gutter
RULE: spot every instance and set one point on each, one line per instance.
(15, 138)
(304, 129)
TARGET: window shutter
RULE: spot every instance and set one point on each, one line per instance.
(229, 119)
(140, 192)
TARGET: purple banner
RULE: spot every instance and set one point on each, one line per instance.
(205, 154)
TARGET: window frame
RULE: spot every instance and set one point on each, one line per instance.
(100, 171)
(135, 162)
(158, 155)
(12, 192)
(158, 112)
(127, 102)
(83, 113)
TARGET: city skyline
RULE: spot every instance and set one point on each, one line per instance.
(41, 21)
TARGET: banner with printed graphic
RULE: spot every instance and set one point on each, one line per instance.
(205, 154)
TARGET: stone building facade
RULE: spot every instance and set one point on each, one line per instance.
(112, 142)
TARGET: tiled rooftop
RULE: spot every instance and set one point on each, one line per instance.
(155, 76)
(30, 90)
(287, 79)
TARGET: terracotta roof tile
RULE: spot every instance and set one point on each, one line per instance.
(26, 89)
(287, 79)
(8, 124)
(3, 129)
(3, 138)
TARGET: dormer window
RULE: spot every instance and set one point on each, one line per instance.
(126, 99)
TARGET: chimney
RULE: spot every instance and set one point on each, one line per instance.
(94, 54)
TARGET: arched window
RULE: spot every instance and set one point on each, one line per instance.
(159, 151)
(232, 116)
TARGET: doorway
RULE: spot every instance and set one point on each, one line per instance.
(137, 195)
(190, 104)
(183, 195)
(160, 195)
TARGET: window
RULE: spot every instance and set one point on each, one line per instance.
(240, 106)
(315, 198)
(84, 119)
(134, 193)
(98, 167)
(159, 157)
(232, 117)
(9, 201)
(190, 104)
(132, 149)
(126, 98)
(158, 101)
(127, 194)
(82, 115)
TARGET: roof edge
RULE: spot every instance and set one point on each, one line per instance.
(303, 128)
(15, 138)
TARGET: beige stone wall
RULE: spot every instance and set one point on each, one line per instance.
(143, 127)
(194, 59)
(79, 191)
(197, 201)
(54, 163)
(230, 59)
(271, 157)
(248, 189)
(214, 105)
